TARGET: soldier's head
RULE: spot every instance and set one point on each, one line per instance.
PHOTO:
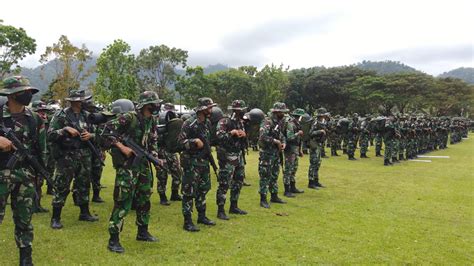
(238, 107)
(77, 97)
(298, 113)
(18, 90)
(149, 103)
(122, 106)
(204, 106)
(279, 110)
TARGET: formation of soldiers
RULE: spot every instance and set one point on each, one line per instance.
(67, 147)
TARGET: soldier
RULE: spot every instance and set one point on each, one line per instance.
(132, 181)
(271, 143)
(42, 110)
(293, 150)
(318, 136)
(364, 136)
(388, 139)
(171, 161)
(18, 182)
(352, 137)
(72, 156)
(232, 142)
(194, 139)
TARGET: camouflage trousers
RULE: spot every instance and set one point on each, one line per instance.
(334, 140)
(195, 184)
(378, 143)
(411, 147)
(351, 145)
(73, 166)
(131, 186)
(402, 145)
(314, 163)
(364, 143)
(171, 166)
(291, 166)
(268, 170)
(96, 173)
(231, 174)
(389, 149)
(18, 184)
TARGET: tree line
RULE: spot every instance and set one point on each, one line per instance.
(342, 90)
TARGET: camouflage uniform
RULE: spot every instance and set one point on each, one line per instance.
(271, 131)
(318, 136)
(292, 152)
(352, 137)
(18, 182)
(133, 183)
(195, 162)
(73, 161)
(364, 137)
(388, 139)
(230, 154)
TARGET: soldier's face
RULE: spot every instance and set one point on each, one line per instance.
(279, 115)
(207, 112)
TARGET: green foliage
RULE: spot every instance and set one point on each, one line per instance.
(69, 64)
(157, 68)
(117, 74)
(15, 44)
(464, 73)
(386, 67)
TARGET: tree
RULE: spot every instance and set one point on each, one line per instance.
(271, 83)
(117, 74)
(157, 68)
(69, 66)
(193, 85)
(15, 44)
(369, 94)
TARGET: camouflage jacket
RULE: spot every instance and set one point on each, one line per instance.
(57, 135)
(271, 129)
(34, 139)
(226, 141)
(293, 140)
(193, 129)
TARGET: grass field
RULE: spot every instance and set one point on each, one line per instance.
(412, 212)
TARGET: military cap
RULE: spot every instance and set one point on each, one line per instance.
(204, 103)
(148, 97)
(298, 112)
(279, 107)
(238, 105)
(16, 84)
(77, 96)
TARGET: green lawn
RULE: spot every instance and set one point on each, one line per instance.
(413, 212)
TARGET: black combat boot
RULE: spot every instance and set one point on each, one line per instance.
(335, 153)
(351, 157)
(317, 184)
(221, 213)
(275, 199)
(363, 155)
(344, 151)
(263, 201)
(234, 208)
(175, 195)
(189, 225)
(144, 235)
(378, 154)
(164, 200)
(114, 244)
(96, 196)
(386, 162)
(25, 256)
(56, 219)
(38, 208)
(245, 184)
(400, 157)
(288, 193)
(85, 214)
(294, 189)
(49, 190)
(202, 219)
(312, 184)
(395, 160)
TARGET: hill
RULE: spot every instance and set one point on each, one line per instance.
(464, 73)
(386, 67)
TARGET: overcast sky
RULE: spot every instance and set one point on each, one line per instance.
(433, 36)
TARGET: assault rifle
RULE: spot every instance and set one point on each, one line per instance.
(206, 152)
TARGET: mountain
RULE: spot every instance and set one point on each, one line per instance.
(464, 73)
(386, 67)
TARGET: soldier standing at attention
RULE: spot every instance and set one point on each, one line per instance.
(271, 144)
(293, 150)
(132, 181)
(232, 140)
(194, 140)
(73, 157)
(317, 137)
(18, 182)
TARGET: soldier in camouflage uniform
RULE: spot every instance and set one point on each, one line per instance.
(272, 143)
(232, 142)
(171, 164)
(19, 182)
(293, 150)
(133, 182)
(352, 137)
(72, 156)
(42, 110)
(364, 136)
(194, 139)
(388, 139)
(318, 136)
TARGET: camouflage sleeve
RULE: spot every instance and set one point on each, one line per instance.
(264, 134)
(153, 140)
(55, 131)
(120, 123)
(184, 139)
(42, 143)
(222, 134)
(291, 137)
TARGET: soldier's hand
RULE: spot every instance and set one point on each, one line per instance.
(72, 131)
(282, 146)
(300, 153)
(241, 134)
(300, 133)
(199, 143)
(277, 142)
(234, 132)
(5, 144)
(85, 136)
(126, 151)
